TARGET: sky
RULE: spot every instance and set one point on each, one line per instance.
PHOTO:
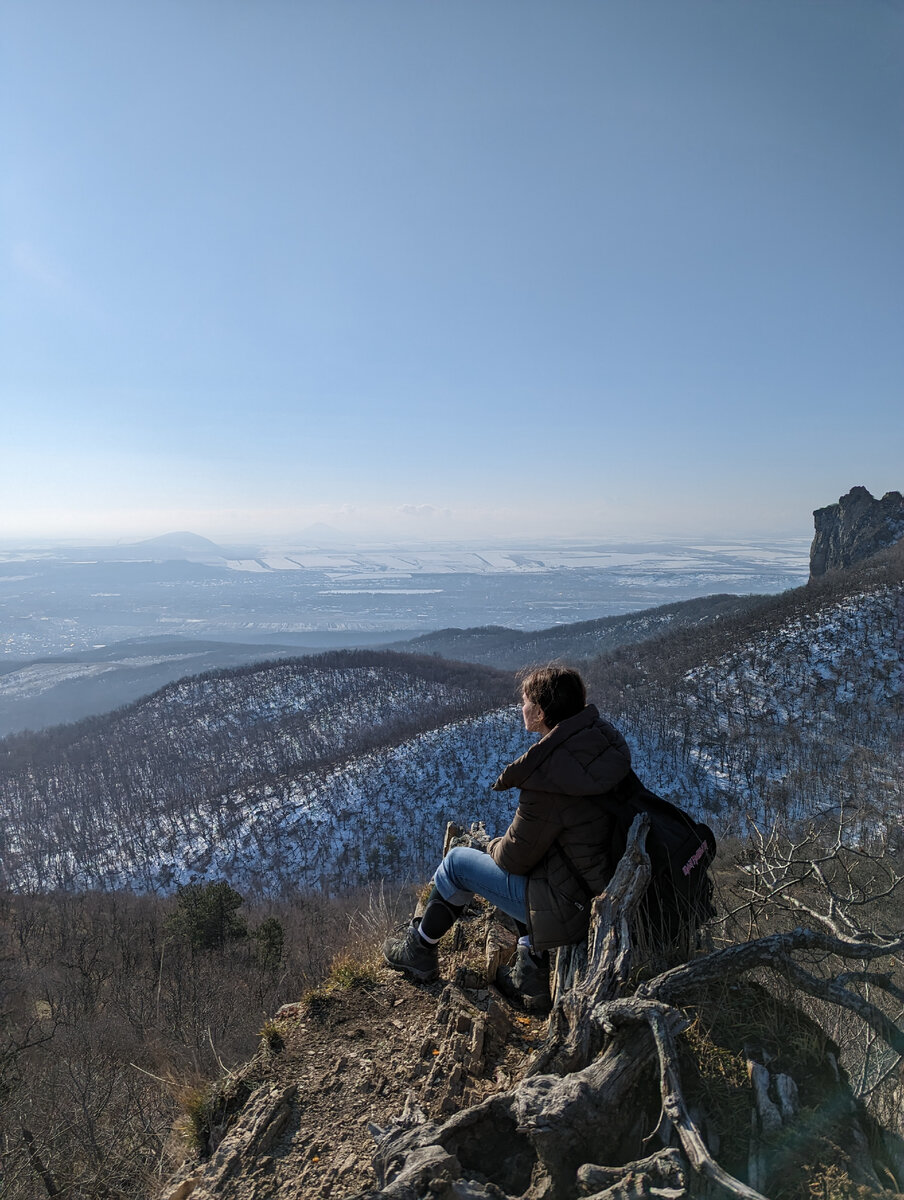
(437, 270)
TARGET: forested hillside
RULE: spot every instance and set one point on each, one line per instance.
(789, 710)
(314, 775)
(68, 687)
(512, 649)
(225, 763)
(339, 770)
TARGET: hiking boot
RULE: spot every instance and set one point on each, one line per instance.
(407, 951)
(526, 981)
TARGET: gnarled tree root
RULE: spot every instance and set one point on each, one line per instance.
(542, 1139)
(530, 1140)
(662, 1174)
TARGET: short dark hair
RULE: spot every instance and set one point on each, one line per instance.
(559, 691)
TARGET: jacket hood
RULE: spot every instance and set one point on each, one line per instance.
(582, 756)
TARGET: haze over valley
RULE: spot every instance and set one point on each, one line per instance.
(53, 601)
(342, 768)
(86, 628)
(313, 790)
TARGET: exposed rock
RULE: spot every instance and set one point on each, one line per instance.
(855, 528)
(260, 1123)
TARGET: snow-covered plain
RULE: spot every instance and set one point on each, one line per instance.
(383, 562)
(62, 605)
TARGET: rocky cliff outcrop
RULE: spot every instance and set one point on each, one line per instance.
(855, 528)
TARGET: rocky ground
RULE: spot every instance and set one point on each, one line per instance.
(297, 1122)
(446, 1069)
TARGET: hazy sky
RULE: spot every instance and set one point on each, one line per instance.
(470, 266)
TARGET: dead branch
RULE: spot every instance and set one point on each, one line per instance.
(775, 952)
(546, 1126)
(784, 864)
(534, 1140)
(830, 989)
(37, 1163)
(661, 1174)
(664, 1022)
(884, 982)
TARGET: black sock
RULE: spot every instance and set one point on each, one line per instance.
(438, 918)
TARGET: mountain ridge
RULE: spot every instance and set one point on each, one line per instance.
(513, 649)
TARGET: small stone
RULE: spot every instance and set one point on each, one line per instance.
(184, 1189)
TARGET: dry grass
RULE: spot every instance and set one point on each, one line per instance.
(271, 1034)
(197, 1104)
(347, 971)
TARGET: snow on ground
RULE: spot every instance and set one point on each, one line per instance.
(380, 813)
(790, 556)
(253, 565)
(796, 720)
(36, 678)
(797, 717)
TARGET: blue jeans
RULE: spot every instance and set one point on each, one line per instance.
(465, 871)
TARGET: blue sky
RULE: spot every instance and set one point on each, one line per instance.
(471, 267)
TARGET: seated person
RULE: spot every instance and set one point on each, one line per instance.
(553, 855)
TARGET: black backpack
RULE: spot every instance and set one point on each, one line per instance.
(679, 897)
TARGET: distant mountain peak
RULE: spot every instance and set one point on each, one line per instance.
(182, 540)
(855, 528)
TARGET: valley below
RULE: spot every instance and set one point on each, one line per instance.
(85, 630)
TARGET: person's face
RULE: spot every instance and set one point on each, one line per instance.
(534, 718)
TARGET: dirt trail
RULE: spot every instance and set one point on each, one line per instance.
(298, 1124)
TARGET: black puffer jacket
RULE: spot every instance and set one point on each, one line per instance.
(559, 777)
